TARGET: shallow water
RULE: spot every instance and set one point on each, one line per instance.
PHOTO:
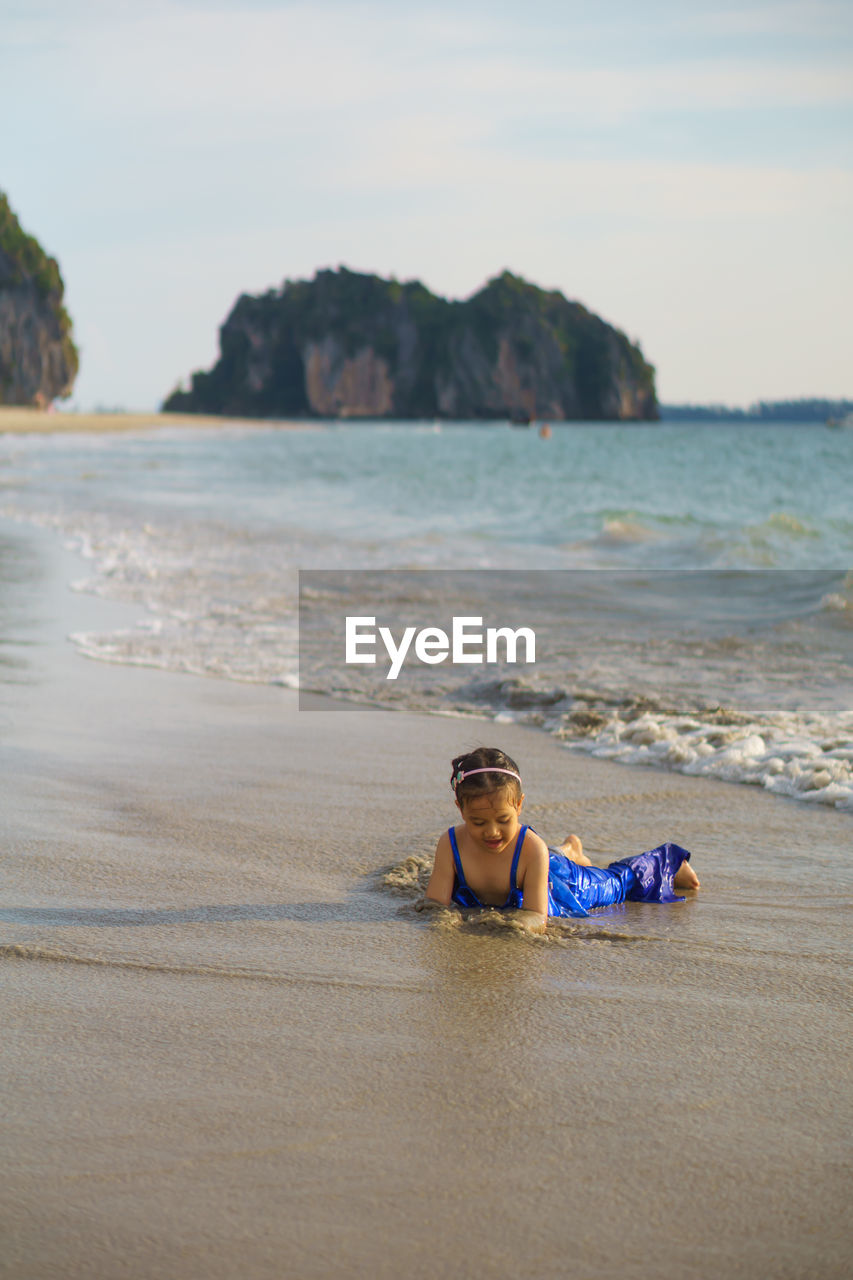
(690, 587)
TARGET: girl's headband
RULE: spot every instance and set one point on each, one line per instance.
(462, 775)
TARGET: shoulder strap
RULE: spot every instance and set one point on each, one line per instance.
(460, 874)
(513, 882)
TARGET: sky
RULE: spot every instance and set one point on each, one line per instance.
(684, 169)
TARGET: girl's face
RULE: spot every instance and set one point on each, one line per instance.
(492, 820)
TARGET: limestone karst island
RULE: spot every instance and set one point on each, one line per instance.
(350, 345)
(38, 358)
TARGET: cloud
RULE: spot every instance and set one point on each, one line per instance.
(776, 19)
(654, 160)
(167, 60)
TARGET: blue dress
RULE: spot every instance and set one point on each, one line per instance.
(574, 890)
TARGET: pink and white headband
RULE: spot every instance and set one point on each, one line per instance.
(461, 776)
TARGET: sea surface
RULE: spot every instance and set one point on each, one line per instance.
(690, 587)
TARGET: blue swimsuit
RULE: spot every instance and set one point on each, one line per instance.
(574, 890)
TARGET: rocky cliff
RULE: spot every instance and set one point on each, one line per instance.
(352, 345)
(38, 359)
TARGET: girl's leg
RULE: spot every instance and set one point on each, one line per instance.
(685, 877)
(573, 849)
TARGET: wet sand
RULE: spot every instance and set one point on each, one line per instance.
(228, 1049)
(23, 420)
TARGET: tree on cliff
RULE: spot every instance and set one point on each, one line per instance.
(38, 358)
(347, 344)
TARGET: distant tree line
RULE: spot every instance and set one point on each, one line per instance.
(807, 410)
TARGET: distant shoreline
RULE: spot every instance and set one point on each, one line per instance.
(816, 409)
(20, 420)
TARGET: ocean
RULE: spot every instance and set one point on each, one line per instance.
(690, 587)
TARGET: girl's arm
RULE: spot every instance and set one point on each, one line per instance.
(534, 884)
(440, 885)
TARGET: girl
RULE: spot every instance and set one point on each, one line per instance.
(491, 860)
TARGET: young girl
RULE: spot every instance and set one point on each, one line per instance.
(491, 860)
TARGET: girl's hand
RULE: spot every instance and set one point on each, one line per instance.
(430, 904)
(530, 921)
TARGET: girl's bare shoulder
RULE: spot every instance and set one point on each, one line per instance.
(442, 846)
(534, 848)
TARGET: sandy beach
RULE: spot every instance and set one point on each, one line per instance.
(230, 1048)
(25, 421)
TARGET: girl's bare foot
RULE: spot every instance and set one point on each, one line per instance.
(573, 849)
(686, 877)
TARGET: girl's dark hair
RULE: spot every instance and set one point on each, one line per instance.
(482, 784)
